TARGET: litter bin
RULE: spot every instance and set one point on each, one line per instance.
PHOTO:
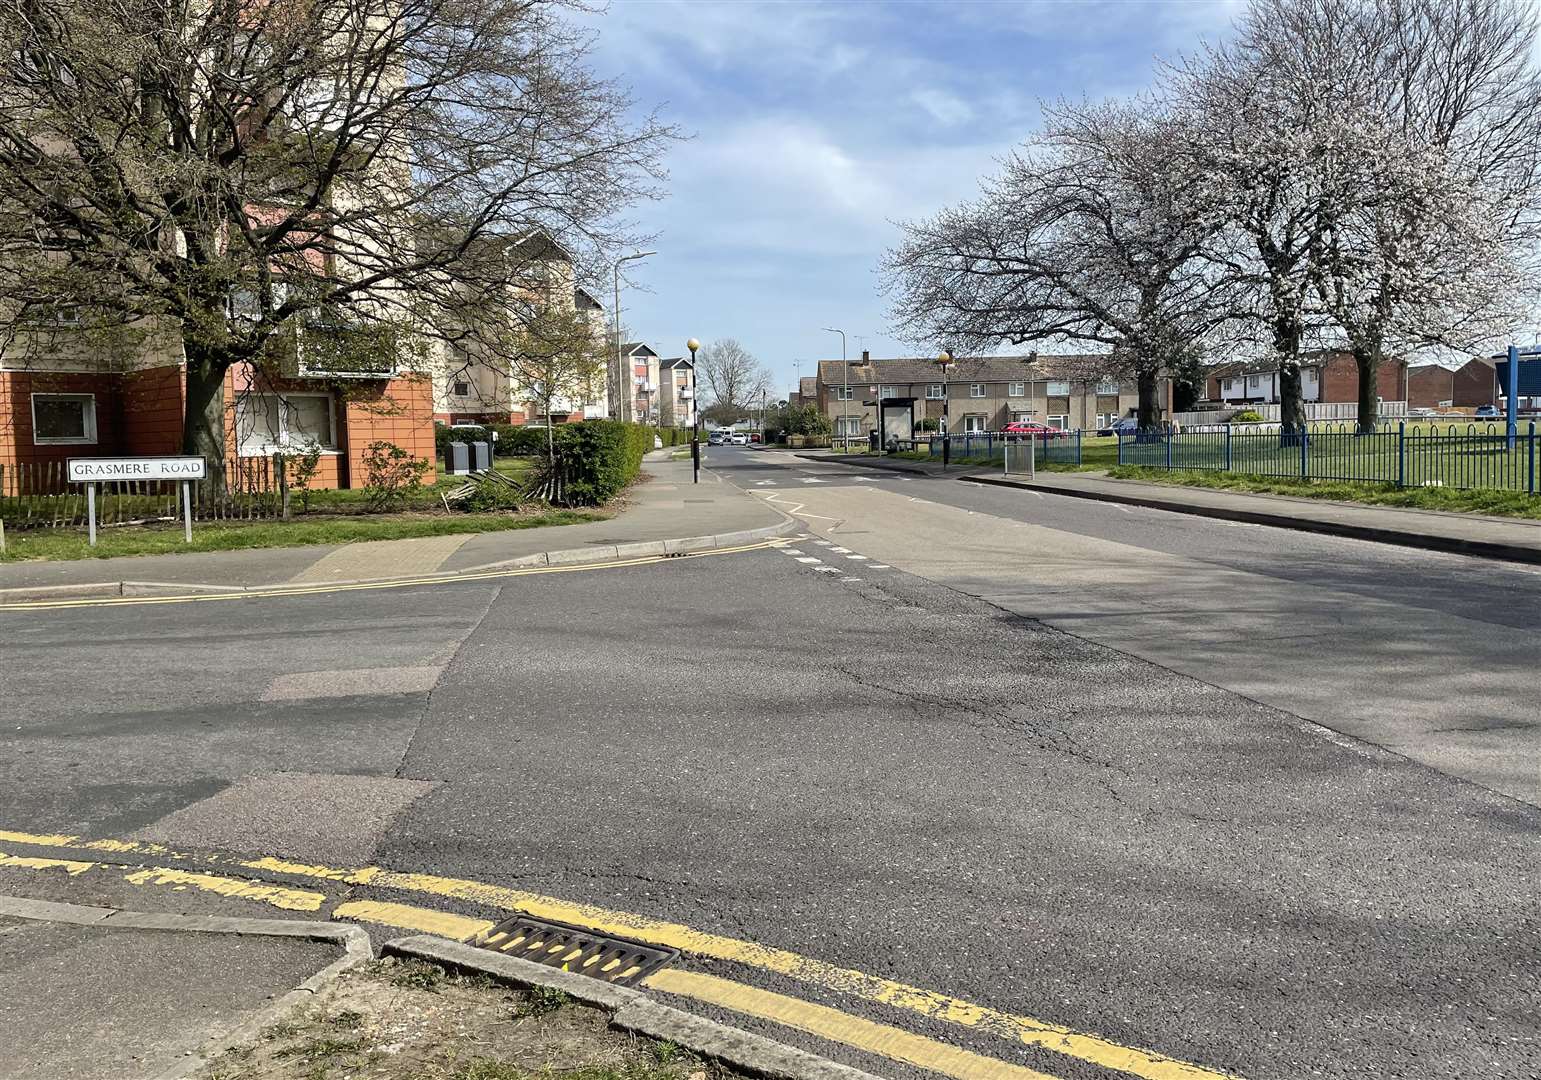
(872, 441)
(481, 456)
(459, 459)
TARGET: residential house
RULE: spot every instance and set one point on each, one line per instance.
(973, 394)
(1326, 376)
(470, 388)
(807, 392)
(642, 362)
(676, 392)
(1434, 386)
(81, 405)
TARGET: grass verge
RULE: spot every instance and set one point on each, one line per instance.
(1475, 501)
(395, 1020)
(64, 544)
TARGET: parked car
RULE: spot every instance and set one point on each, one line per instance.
(1488, 411)
(1033, 427)
(739, 438)
(1124, 425)
(716, 438)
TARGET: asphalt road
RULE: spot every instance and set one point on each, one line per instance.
(819, 751)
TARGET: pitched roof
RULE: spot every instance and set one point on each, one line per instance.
(631, 348)
(583, 298)
(967, 369)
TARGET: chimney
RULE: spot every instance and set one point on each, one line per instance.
(866, 357)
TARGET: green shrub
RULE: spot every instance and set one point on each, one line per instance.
(597, 458)
(1247, 416)
(492, 494)
(392, 476)
(522, 440)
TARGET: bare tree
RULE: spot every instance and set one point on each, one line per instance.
(1091, 234)
(248, 182)
(733, 379)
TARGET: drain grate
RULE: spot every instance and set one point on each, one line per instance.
(609, 959)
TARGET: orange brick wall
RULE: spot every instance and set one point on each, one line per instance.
(16, 390)
(399, 411)
(150, 404)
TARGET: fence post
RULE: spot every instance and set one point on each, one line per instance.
(1119, 435)
(1530, 459)
(1227, 447)
(281, 466)
(1305, 440)
(1402, 453)
(1169, 448)
(1078, 445)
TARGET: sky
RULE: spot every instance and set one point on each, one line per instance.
(816, 127)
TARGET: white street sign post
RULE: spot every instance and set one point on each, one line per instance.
(93, 471)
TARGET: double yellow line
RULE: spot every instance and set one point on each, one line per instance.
(829, 1023)
(370, 586)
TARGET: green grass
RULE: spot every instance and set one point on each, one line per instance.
(1474, 501)
(62, 544)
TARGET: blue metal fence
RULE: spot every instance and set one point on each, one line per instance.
(1049, 448)
(1470, 457)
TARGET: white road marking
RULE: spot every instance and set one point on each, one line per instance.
(841, 550)
(858, 558)
(825, 543)
(763, 483)
(880, 566)
(814, 480)
(850, 579)
(793, 551)
(827, 569)
(809, 559)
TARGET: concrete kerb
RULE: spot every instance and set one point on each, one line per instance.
(353, 940)
(634, 1011)
(568, 557)
(1425, 541)
(867, 463)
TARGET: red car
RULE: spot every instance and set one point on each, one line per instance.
(1033, 427)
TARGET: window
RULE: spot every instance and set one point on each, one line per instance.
(1060, 388)
(843, 393)
(976, 389)
(1018, 389)
(1061, 422)
(267, 422)
(935, 391)
(1107, 386)
(64, 418)
(847, 426)
(890, 391)
(1021, 417)
(974, 422)
(461, 388)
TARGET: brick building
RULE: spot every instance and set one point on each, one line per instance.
(1326, 375)
(1434, 386)
(974, 394)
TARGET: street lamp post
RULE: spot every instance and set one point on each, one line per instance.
(944, 361)
(845, 399)
(695, 427)
(621, 378)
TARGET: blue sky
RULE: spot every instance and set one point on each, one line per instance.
(816, 126)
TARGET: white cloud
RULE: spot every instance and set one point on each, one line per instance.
(942, 106)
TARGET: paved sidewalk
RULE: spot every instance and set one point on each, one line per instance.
(1470, 534)
(668, 506)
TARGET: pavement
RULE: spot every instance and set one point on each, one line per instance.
(1517, 539)
(1082, 790)
(667, 506)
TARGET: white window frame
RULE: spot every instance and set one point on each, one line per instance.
(850, 424)
(89, 416)
(844, 393)
(1057, 388)
(972, 419)
(1017, 389)
(1020, 417)
(247, 449)
(1107, 386)
(1061, 422)
(936, 391)
(977, 389)
(890, 391)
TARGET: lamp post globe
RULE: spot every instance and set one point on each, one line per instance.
(692, 345)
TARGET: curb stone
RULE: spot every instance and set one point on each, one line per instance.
(878, 463)
(566, 557)
(353, 940)
(635, 1011)
(1425, 541)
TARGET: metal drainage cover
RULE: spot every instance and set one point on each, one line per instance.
(609, 959)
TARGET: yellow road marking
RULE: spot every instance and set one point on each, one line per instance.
(368, 586)
(56, 840)
(890, 1042)
(928, 1003)
(426, 920)
(29, 862)
(288, 899)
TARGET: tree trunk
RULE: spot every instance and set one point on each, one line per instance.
(203, 418)
(1367, 360)
(1286, 345)
(1149, 418)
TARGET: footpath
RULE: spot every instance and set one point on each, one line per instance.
(665, 513)
(1515, 539)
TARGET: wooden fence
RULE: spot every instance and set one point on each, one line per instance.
(39, 495)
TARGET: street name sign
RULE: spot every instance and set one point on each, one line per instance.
(118, 470)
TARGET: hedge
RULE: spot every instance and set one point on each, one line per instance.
(597, 458)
